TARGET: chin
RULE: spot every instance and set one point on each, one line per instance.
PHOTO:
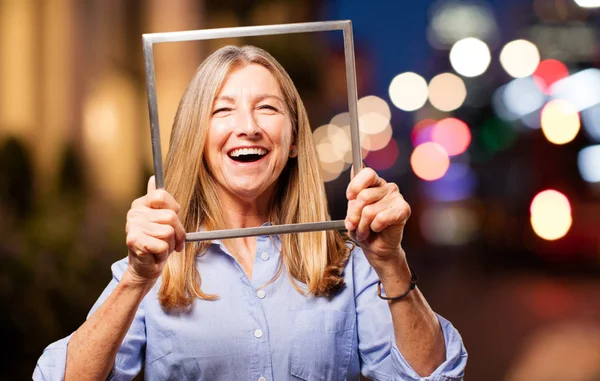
(248, 191)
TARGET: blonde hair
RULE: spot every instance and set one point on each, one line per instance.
(316, 259)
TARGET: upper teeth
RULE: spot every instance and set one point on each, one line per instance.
(248, 151)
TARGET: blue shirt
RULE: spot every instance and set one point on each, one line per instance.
(258, 332)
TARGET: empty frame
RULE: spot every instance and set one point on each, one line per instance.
(208, 34)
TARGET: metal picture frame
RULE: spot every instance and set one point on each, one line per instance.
(209, 34)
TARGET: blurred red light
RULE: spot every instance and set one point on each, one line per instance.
(421, 132)
(452, 134)
(383, 158)
(549, 72)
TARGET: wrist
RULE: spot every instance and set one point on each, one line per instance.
(395, 276)
(397, 295)
(133, 281)
(394, 267)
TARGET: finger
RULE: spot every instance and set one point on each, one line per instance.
(367, 216)
(366, 178)
(139, 202)
(396, 213)
(364, 198)
(169, 217)
(143, 245)
(161, 199)
(169, 220)
(151, 185)
(352, 216)
(160, 231)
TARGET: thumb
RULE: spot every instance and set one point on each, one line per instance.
(151, 185)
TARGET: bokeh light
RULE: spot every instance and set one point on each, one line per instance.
(383, 158)
(342, 121)
(519, 58)
(588, 161)
(549, 72)
(591, 122)
(550, 215)
(496, 135)
(470, 57)
(447, 92)
(452, 134)
(421, 132)
(449, 224)
(500, 107)
(378, 141)
(430, 161)
(374, 114)
(333, 145)
(581, 89)
(522, 96)
(560, 121)
(588, 3)
(457, 184)
(455, 20)
(408, 91)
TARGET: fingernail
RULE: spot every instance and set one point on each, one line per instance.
(350, 226)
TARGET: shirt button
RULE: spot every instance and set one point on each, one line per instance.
(258, 333)
(265, 256)
(261, 294)
(262, 379)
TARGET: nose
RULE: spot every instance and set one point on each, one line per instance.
(245, 123)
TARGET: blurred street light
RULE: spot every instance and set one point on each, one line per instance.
(588, 3)
(470, 57)
(587, 161)
(519, 58)
(453, 20)
(408, 91)
(430, 161)
(560, 121)
(447, 92)
(550, 215)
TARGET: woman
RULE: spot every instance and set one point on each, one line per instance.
(299, 306)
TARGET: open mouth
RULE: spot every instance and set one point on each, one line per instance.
(247, 155)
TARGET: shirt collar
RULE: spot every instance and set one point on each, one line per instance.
(275, 237)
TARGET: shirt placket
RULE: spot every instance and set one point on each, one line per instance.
(265, 267)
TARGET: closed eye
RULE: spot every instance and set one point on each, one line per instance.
(221, 110)
(268, 107)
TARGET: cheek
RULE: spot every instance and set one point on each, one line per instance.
(217, 136)
(282, 134)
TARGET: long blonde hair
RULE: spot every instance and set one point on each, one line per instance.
(316, 259)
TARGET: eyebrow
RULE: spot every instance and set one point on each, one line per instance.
(256, 99)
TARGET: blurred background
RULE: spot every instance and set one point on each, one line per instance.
(485, 113)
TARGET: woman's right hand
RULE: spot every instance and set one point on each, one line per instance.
(153, 232)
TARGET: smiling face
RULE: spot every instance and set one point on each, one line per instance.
(250, 134)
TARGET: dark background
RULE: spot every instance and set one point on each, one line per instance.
(75, 151)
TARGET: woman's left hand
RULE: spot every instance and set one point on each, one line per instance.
(377, 214)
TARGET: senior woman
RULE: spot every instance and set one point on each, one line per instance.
(298, 306)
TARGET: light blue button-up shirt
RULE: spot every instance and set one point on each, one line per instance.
(263, 332)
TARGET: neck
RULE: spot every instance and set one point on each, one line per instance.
(244, 212)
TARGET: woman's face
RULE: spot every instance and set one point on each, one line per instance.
(250, 134)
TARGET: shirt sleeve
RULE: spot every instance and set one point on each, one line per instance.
(128, 363)
(380, 357)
